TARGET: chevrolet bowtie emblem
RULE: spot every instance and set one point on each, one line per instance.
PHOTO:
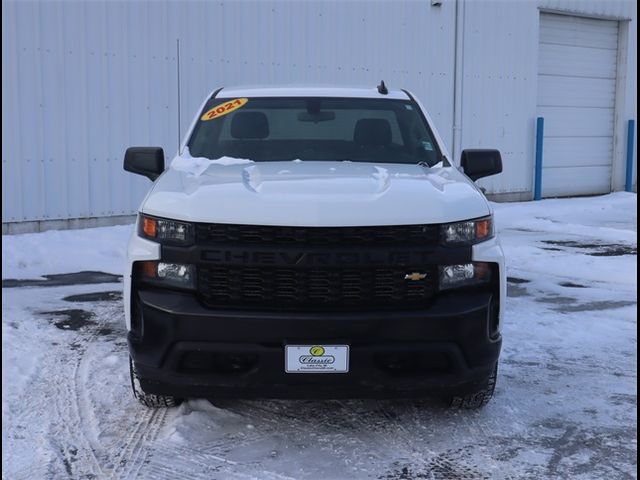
(415, 276)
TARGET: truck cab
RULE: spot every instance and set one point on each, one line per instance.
(313, 242)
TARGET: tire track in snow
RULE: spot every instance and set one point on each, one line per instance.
(65, 416)
(65, 433)
(76, 409)
(385, 439)
(73, 413)
(203, 460)
(325, 421)
(421, 461)
(188, 463)
(70, 444)
(132, 444)
(137, 449)
(198, 464)
(208, 459)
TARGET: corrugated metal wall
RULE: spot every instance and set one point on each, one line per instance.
(499, 75)
(84, 80)
(500, 68)
(81, 82)
(410, 44)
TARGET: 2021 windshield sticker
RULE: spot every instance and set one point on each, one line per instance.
(224, 108)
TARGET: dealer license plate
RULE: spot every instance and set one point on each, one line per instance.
(316, 358)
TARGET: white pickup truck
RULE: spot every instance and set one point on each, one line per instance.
(314, 242)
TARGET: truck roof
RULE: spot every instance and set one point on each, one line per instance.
(309, 91)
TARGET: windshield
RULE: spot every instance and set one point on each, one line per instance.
(327, 129)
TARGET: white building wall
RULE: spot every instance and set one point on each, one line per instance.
(499, 88)
(500, 82)
(409, 44)
(626, 12)
(80, 84)
(83, 81)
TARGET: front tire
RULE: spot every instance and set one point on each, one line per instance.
(149, 400)
(479, 398)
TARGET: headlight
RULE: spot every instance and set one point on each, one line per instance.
(463, 275)
(467, 233)
(170, 274)
(169, 232)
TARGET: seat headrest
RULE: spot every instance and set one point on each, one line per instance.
(249, 125)
(372, 131)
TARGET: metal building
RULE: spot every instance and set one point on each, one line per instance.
(84, 80)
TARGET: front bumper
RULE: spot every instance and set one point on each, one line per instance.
(183, 349)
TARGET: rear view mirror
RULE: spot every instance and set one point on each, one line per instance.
(316, 117)
(481, 163)
(147, 161)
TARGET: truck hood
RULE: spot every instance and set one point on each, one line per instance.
(313, 193)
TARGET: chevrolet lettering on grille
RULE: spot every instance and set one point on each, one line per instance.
(316, 258)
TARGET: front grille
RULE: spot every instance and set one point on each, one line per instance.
(313, 288)
(403, 235)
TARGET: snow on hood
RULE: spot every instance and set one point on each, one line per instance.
(313, 193)
(196, 166)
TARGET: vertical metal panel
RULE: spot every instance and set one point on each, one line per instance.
(626, 98)
(537, 188)
(73, 56)
(628, 186)
(117, 84)
(499, 85)
(30, 120)
(56, 201)
(12, 207)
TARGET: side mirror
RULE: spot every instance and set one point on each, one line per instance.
(147, 161)
(481, 163)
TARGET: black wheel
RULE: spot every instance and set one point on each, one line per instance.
(149, 400)
(479, 398)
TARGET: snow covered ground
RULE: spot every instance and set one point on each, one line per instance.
(565, 404)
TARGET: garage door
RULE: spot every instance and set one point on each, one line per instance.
(576, 96)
